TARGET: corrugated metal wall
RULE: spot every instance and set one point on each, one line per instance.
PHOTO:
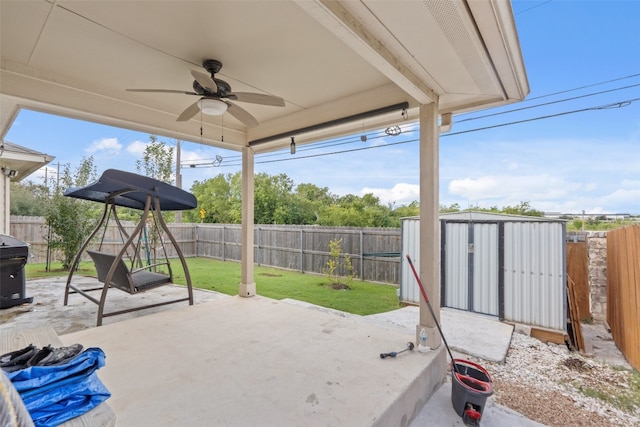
(470, 265)
(509, 267)
(485, 269)
(456, 266)
(534, 274)
(410, 235)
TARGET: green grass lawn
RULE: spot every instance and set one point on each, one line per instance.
(363, 298)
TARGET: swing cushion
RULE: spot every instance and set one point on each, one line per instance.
(122, 278)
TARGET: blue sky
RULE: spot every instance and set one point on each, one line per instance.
(577, 146)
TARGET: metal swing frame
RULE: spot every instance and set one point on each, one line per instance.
(119, 188)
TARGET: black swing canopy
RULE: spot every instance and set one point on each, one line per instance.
(126, 189)
(131, 190)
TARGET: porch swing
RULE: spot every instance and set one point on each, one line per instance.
(125, 189)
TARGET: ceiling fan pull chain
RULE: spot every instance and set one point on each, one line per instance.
(201, 134)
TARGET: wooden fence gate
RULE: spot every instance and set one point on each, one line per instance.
(623, 290)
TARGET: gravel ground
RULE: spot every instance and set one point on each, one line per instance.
(549, 384)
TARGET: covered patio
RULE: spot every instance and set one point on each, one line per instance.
(340, 67)
(300, 364)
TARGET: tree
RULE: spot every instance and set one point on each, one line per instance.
(156, 163)
(412, 209)
(275, 202)
(156, 160)
(454, 207)
(272, 199)
(310, 201)
(219, 199)
(70, 220)
(354, 211)
(27, 198)
(523, 208)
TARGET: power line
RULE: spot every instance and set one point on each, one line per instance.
(618, 104)
(583, 87)
(532, 7)
(379, 134)
(548, 103)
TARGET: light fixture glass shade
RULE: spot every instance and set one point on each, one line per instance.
(212, 107)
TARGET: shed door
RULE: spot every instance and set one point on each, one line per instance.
(470, 267)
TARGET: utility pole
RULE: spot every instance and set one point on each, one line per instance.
(178, 178)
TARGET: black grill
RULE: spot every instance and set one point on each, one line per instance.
(13, 257)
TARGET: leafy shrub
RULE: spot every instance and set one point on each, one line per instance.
(336, 263)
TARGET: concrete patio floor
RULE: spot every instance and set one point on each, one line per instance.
(254, 361)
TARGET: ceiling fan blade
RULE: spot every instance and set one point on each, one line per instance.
(205, 81)
(162, 91)
(189, 112)
(242, 115)
(257, 98)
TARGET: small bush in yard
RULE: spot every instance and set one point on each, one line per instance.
(337, 262)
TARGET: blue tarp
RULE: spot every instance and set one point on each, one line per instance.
(55, 394)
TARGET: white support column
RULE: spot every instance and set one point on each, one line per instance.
(178, 214)
(4, 204)
(429, 222)
(247, 286)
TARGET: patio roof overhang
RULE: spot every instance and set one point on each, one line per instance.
(327, 59)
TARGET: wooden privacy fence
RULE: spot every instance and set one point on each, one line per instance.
(623, 290)
(33, 231)
(374, 252)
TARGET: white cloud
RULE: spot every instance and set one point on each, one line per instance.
(622, 198)
(399, 194)
(513, 166)
(109, 146)
(136, 148)
(630, 183)
(512, 187)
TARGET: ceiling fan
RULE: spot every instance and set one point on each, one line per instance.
(215, 96)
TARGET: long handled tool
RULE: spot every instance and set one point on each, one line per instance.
(395, 353)
(424, 295)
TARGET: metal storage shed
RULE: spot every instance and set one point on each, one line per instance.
(508, 266)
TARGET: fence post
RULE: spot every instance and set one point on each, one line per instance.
(361, 254)
(224, 243)
(258, 253)
(302, 250)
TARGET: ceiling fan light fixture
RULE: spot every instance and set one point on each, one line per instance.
(212, 107)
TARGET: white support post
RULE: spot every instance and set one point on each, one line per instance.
(429, 222)
(178, 214)
(4, 206)
(247, 286)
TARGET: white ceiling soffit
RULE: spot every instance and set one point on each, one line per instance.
(327, 60)
(22, 160)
